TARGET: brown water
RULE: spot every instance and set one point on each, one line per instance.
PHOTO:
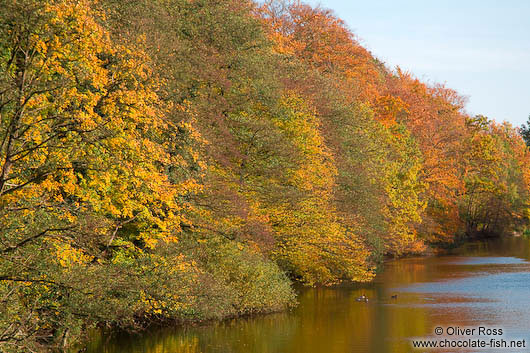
(481, 284)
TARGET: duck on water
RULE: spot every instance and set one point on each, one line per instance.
(362, 298)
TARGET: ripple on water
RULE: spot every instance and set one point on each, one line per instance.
(485, 260)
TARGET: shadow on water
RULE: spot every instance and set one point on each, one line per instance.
(480, 284)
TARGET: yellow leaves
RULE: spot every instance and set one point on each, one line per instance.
(103, 130)
(149, 241)
(404, 205)
(67, 256)
(87, 121)
(40, 45)
(301, 125)
(310, 238)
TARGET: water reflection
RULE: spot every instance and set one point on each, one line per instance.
(483, 283)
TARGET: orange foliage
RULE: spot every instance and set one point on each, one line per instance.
(435, 118)
(323, 41)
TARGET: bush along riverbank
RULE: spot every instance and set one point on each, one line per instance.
(188, 160)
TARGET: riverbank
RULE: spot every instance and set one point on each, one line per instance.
(481, 283)
(99, 337)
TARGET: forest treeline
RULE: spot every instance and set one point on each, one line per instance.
(174, 160)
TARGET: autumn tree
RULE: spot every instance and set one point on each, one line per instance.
(434, 117)
(496, 198)
(82, 182)
(360, 123)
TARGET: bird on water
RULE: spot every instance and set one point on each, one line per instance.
(362, 298)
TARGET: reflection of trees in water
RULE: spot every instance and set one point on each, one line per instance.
(332, 320)
(506, 246)
(327, 320)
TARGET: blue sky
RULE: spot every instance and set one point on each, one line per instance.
(479, 48)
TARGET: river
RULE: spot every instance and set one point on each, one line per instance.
(481, 284)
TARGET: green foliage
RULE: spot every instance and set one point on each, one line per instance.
(496, 199)
(525, 132)
(242, 274)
